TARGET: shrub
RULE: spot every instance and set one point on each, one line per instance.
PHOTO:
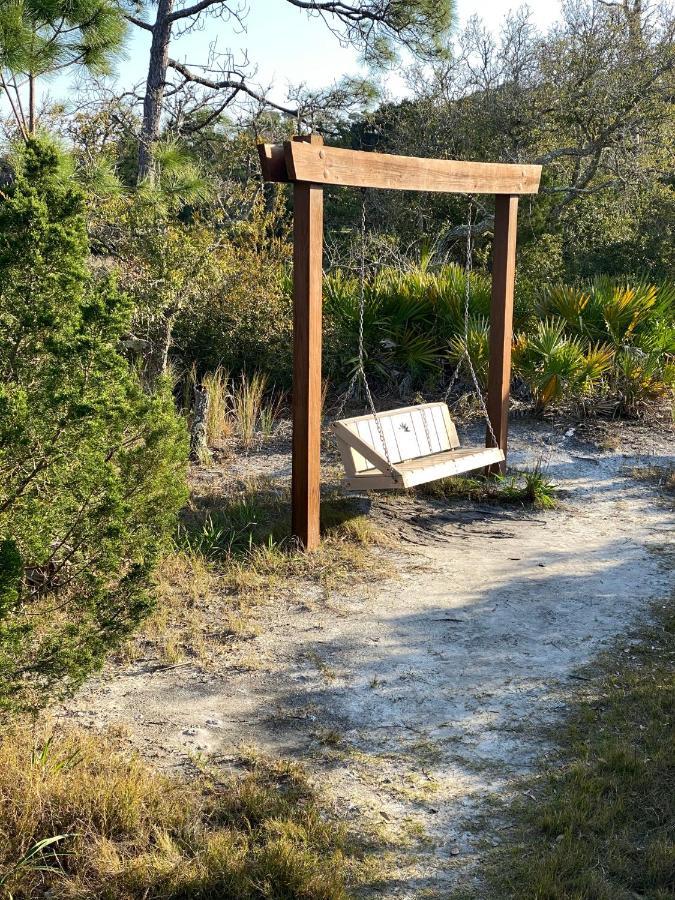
(625, 332)
(412, 322)
(91, 467)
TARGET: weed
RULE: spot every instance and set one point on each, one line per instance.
(527, 488)
(326, 671)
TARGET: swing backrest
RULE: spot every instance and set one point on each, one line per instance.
(410, 433)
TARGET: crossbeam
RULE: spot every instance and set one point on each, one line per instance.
(313, 163)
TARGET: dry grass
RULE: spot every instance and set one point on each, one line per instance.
(219, 424)
(247, 399)
(124, 831)
(234, 552)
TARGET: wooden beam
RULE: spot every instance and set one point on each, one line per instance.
(317, 164)
(501, 322)
(273, 162)
(307, 299)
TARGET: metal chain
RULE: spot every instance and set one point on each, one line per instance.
(468, 268)
(360, 372)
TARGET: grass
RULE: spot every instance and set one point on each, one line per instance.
(233, 552)
(251, 411)
(528, 488)
(251, 523)
(81, 820)
(601, 824)
(243, 407)
(662, 477)
(219, 424)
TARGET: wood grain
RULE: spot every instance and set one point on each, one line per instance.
(318, 164)
(307, 301)
(501, 322)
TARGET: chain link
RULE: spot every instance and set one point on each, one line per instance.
(468, 268)
(360, 373)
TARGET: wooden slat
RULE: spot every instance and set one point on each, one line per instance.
(460, 455)
(477, 458)
(355, 168)
(307, 287)
(365, 449)
(423, 470)
(404, 432)
(501, 322)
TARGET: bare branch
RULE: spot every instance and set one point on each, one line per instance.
(237, 85)
(139, 22)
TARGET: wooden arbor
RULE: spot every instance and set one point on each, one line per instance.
(309, 165)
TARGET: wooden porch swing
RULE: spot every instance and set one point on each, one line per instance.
(409, 446)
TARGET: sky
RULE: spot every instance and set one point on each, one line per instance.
(289, 47)
(286, 46)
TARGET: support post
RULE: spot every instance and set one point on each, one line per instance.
(501, 322)
(307, 301)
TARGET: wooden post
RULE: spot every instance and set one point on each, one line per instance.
(501, 321)
(307, 297)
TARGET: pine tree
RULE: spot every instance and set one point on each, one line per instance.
(92, 466)
(41, 37)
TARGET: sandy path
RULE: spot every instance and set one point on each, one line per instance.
(415, 699)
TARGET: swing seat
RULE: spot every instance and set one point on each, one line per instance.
(421, 442)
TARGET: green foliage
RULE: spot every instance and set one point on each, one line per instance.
(526, 488)
(412, 322)
(608, 334)
(41, 37)
(604, 339)
(91, 466)
(557, 366)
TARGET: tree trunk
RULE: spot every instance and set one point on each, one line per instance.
(199, 447)
(157, 357)
(154, 88)
(31, 105)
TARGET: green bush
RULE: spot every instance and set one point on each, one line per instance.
(243, 319)
(604, 339)
(412, 321)
(92, 468)
(607, 337)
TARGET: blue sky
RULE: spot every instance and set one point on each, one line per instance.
(287, 46)
(290, 47)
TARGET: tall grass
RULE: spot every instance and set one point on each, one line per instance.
(219, 424)
(241, 407)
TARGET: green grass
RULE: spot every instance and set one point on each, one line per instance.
(254, 516)
(126, 831)
(600, 826)
(528, 488)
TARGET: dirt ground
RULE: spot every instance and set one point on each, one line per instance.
(415, 700)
